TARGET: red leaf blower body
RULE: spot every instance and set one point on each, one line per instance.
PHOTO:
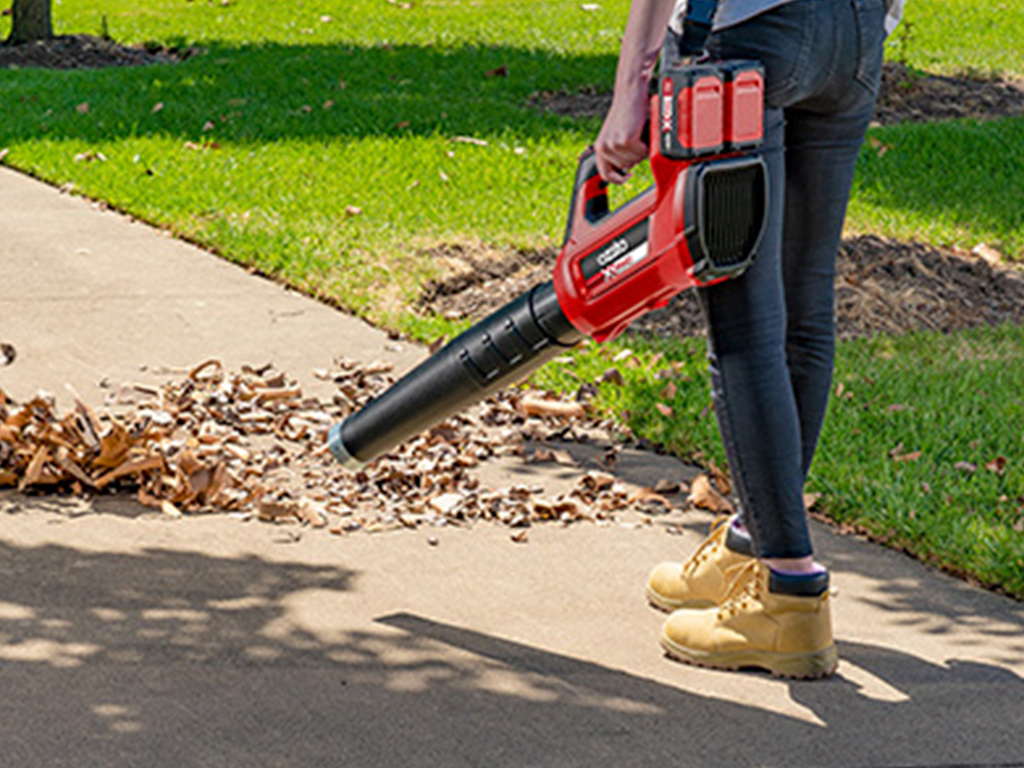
(700, 223)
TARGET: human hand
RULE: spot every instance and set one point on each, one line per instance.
(620, 143)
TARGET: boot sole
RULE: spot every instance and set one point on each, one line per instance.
(665, 605)
(795, 666)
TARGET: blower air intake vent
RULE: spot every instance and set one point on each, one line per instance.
(728, 200)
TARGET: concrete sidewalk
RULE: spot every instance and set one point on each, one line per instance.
(127, 639)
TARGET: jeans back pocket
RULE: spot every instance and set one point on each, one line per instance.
(869, 17)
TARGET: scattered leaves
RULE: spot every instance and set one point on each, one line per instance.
(501, 71)
(252, 444)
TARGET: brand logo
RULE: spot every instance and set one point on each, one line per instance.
(667, 107)
(620, 267)
(612, 252)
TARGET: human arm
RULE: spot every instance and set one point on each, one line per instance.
(619, 144)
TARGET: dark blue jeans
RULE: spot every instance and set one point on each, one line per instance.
(771, 333)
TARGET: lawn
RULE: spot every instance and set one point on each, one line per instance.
(325, 143)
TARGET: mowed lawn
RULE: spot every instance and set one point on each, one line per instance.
(335, 145)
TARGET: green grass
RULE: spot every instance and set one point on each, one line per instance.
(958, 36)
(309, 110)
(290, 116)
(903, 454)
(955, 183)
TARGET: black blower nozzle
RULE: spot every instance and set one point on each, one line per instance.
(497, 351)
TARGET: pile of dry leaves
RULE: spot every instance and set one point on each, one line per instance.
(249, 442)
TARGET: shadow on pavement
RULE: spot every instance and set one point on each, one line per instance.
(161, 657)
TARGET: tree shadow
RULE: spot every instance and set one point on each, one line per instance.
(268, 92)
(255, 94)
(172, 657)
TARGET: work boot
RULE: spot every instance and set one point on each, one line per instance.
(778, 622)
(701, 581)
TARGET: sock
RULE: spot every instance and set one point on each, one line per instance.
(798, 584)
(738, 539)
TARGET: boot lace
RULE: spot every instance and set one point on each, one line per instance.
(709, 546)
(744, 589)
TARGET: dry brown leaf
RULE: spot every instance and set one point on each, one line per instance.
(667, 486)
(65, 462)
(811, 500)
(597, 481)
(134, 467)
(273, 510)
(613, 376)
(664, 410)
(168, 509)
(649, 496)
(670, 391)
(897, 454)
(469, 140)
(988, 254)
(704, 496)
(446, 503)
(34, 471)
(312, 512)
(535, 406)
(722, 482)
(212, 370)
(997, 465)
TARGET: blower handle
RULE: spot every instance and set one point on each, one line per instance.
(589, 202)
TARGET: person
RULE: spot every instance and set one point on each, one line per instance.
(752, 594)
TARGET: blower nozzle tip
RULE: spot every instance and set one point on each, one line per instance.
(338, 449)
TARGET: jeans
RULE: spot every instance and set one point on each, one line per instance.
(771, 332)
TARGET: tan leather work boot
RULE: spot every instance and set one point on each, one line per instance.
(702, 580)
(767, 620)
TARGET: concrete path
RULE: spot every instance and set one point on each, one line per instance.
(127, 639)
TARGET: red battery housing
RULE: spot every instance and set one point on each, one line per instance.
(699, 224)
(743, 104)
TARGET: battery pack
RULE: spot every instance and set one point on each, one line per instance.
(710, 108)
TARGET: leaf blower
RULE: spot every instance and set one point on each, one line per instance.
(700, 223)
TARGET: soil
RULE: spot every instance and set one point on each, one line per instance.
(882, 286)
(906, 95)
(84, 52)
